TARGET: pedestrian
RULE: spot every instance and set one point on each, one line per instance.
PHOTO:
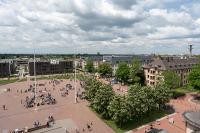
(151, 126)
(77, 131)
(88, 126)
(48, 125)
(66, 130)
(4, 107)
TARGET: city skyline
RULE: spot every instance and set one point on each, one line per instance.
(108, 27)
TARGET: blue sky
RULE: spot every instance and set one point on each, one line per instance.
(105, 26)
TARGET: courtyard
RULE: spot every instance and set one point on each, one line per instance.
(68, 115)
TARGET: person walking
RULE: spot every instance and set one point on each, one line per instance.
(4, 107)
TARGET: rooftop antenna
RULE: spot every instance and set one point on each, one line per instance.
(190, 49)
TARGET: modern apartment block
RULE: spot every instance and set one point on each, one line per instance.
(181, 66)
(50, 67)
(6, 68)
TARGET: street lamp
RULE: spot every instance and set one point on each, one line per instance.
(35, 82)
(75, 93)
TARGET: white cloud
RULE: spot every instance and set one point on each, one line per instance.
(115, 26)
(172, 16)
(169, 32)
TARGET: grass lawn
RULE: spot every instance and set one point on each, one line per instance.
(6, 81)
(134, 124)
(185, 90)
(3, 82)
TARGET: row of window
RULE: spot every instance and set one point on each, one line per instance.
(185, 65)
(181, 71)
(151, 71)
(150, 82)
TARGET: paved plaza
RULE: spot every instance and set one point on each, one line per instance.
(71, 116)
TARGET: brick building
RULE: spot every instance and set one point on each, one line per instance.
(181, 66)
(50, 67)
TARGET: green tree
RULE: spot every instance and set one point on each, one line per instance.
(171, 79)
(162, 94)
(91, 88)
(105, 70)
(119, 110)
(89, 67)
(102, 99)
(139, 100)
(194, 77)
(122, 72)
(135, 71)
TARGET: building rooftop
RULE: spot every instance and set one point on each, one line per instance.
(192, 118)
(5, 60)
(170, 63)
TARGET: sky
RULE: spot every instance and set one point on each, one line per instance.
(105, 26)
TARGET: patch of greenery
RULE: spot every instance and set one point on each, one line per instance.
(185, 89)
(177, 94)
(134, 123)
(182, 91)
(194, 77)
(3, 82)
(124, 112)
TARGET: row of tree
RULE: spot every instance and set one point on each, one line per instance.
(124, 73)
(139, 101)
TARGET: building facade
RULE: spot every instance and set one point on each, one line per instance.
(181, 66)
(6, 68)
(50, 67)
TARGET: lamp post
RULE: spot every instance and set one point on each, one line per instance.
(75, 93)
(35, 82)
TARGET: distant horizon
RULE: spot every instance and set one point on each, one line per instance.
(1, 54)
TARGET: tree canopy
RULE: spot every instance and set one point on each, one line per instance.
(171, 79)
(194, 77)
(89, 67)
(118, 110)
(139, 102)
(135, 71)
(105, 70)
(102, 99)
(122, 72)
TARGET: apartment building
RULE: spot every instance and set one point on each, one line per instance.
(50, 67)
(181, 66)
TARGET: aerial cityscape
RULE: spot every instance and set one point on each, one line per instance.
(86, 66)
